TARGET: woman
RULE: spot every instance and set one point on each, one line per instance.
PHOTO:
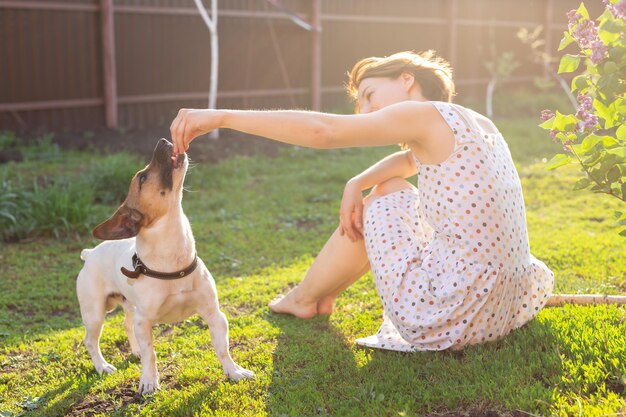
(451, 258)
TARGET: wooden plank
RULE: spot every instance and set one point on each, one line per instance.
(108, 63)
(383, 19)
(316, 56)
(50, 104)
(548, 33)
(453, 8)
(47, 5)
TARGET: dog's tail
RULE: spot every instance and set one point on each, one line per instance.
(84, 253)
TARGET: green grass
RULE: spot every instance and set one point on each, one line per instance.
(258, 223)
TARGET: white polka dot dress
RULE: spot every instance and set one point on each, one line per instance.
(451, 258)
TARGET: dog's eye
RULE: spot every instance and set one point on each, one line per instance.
(142, 178)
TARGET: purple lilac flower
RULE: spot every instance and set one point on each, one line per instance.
(546, 115)
(598, 51)
(586, 32)
(618, 9)
(588, 120)
(573, 18)
(566, 145)
(553, 134)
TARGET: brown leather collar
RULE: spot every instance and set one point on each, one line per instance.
(141, 268)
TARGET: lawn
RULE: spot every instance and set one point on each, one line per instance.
(258, 222)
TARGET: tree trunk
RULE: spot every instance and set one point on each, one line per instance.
(211, 23)
(489, 105)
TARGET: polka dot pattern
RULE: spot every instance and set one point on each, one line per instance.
(451, 258)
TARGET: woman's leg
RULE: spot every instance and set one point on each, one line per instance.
(338, 265)
(340, 260)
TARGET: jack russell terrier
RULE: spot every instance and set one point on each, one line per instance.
(148, 264)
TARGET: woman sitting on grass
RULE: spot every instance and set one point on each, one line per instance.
(450, 258)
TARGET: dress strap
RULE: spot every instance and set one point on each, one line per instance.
(467, 125)
(459, 123)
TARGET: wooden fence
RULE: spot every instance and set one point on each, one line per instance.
(70, 65)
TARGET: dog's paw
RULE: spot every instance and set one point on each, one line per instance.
(148, 385)
(240, 373)
(106, 368)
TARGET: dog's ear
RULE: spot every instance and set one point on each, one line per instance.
(124, 223)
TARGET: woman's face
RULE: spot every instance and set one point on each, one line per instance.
(378, 92)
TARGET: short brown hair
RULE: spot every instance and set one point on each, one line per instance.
(433, 73)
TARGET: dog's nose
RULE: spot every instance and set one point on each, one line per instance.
(164, 142)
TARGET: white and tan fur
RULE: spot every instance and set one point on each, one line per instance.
(151, 223)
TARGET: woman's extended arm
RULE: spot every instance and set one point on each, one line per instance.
(400, 164)
(406, 121)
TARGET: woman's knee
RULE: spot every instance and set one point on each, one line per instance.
(384, 188)
(390, 186)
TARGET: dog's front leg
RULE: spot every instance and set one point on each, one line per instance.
(218, 328)
(149, 380)
(129, 326)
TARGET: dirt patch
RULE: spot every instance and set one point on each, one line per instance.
(92, 404)
(143, 141)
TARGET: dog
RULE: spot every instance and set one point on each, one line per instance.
(148, 264)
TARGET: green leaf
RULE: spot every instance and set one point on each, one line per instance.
(614, 174)
(582, 183)
(623, 233)
(593, 159)
(619, 151)
(547, 124)
(607, 113)
(624, 191)
(559, 160)
(610, 67)
(599, 188)
(621, 133)
(580, 83)
(582, 10)
(593, 140)
(612, 26)
(590, 142)
(565, 41)
(569, 63)
(564, 122)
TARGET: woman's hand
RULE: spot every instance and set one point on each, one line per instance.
(191, 123)
(351, 212)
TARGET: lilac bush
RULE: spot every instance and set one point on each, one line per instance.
(595, 136)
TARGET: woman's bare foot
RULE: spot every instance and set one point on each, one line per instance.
(290, 304)
(326, 305)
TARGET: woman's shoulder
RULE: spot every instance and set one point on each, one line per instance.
(466, 117)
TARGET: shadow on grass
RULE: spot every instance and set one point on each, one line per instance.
(74, 397)
(317, 371)
(313, 367)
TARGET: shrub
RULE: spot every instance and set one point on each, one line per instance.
(52, 209)
(61, 205)
(595, 137)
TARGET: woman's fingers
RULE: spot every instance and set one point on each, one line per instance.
(358, 218)
(344, 221)
(177, 131)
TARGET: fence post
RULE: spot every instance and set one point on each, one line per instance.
(316, 56)
(453, 7)
(548, 32)
(108, 63)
